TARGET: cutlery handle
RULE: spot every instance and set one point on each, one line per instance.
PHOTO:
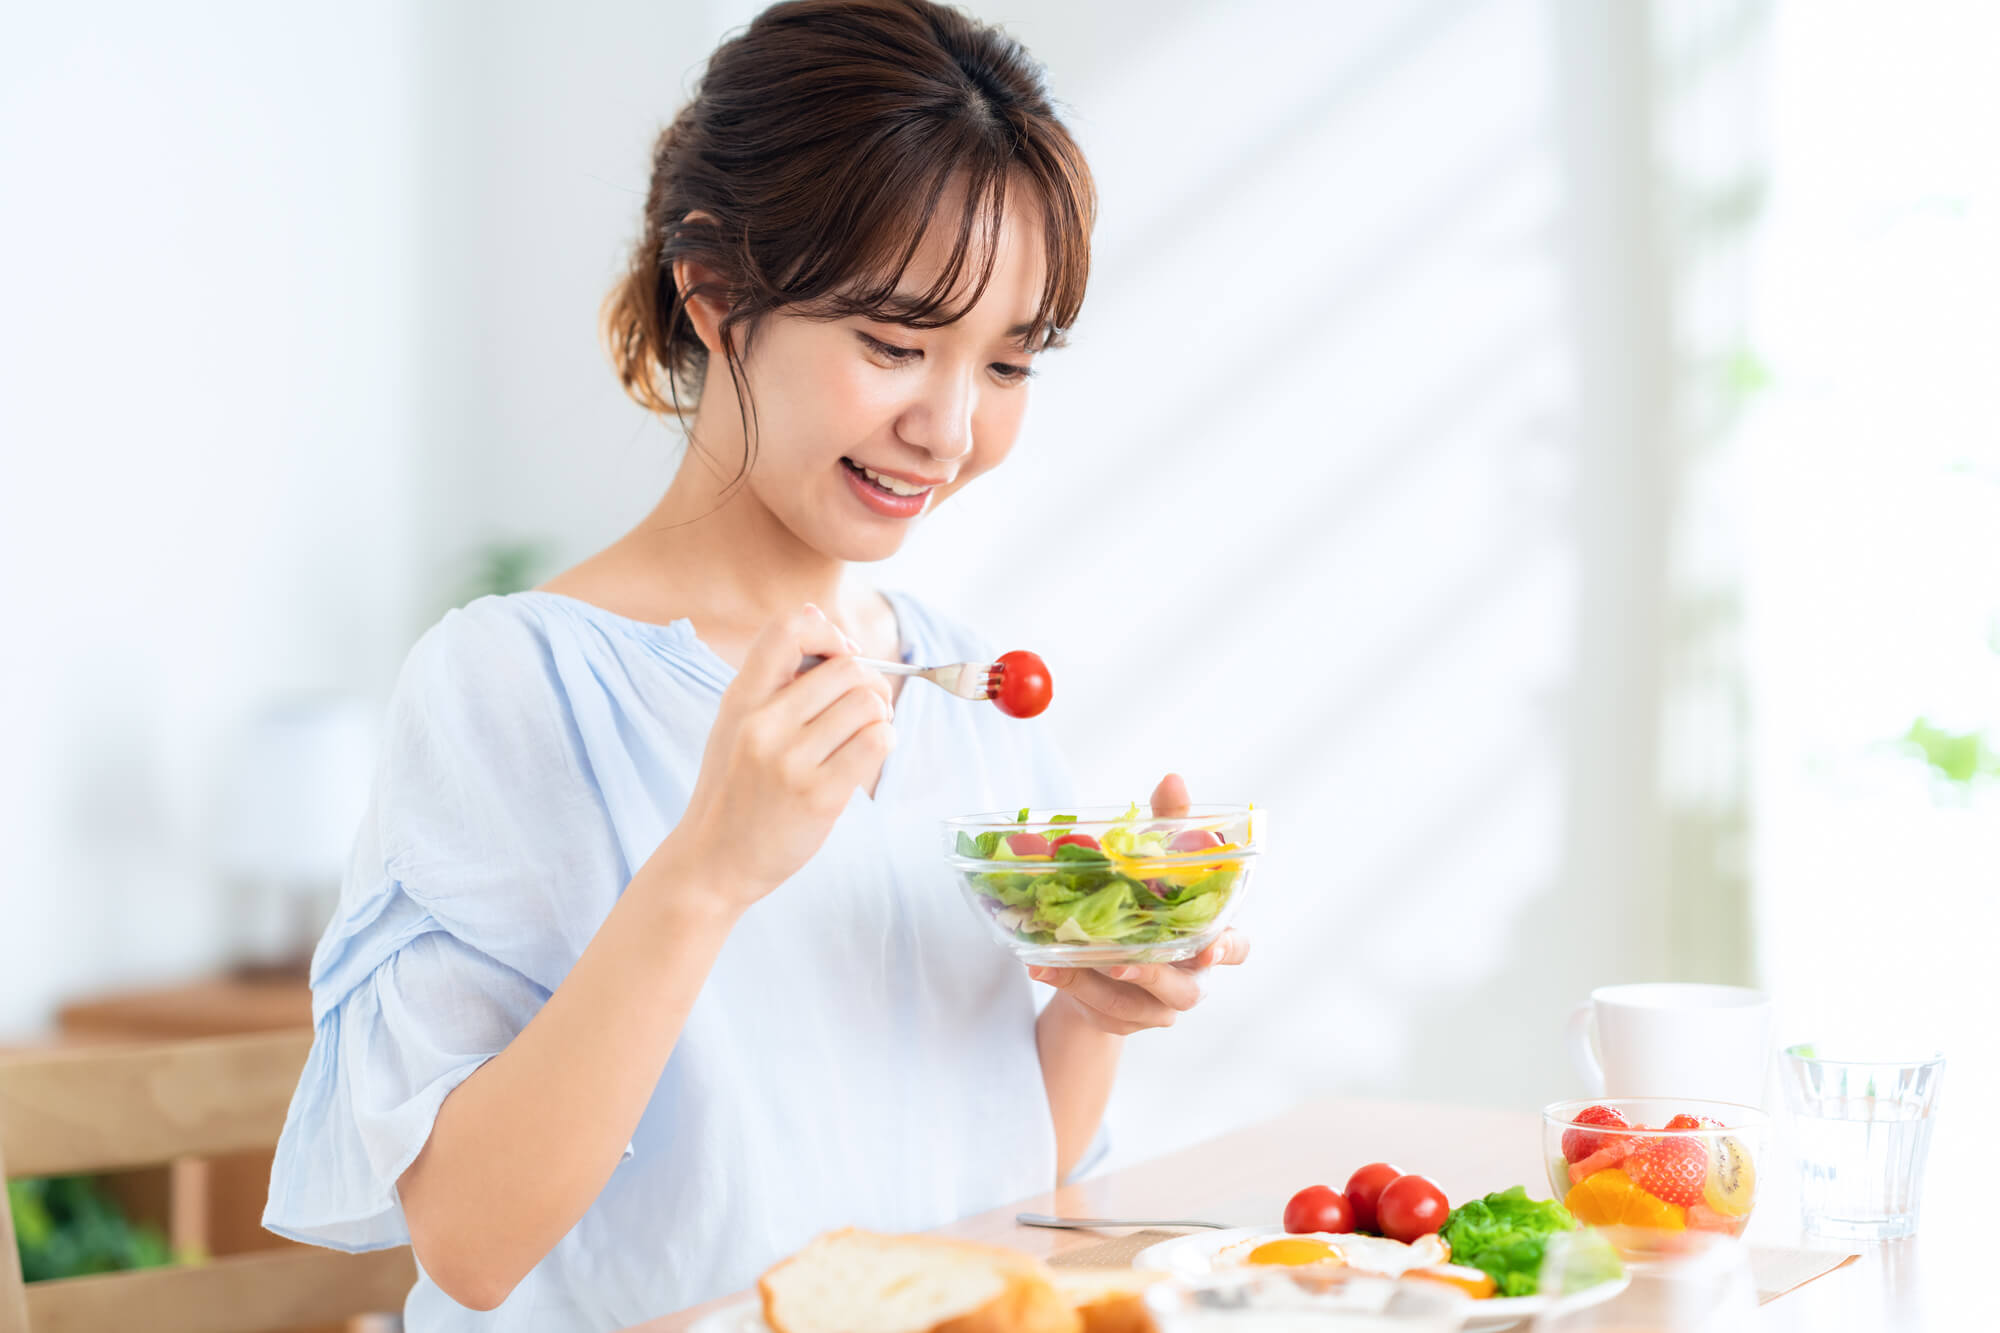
(811, 660)
(1093, 1223)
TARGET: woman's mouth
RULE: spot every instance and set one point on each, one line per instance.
(891, 497)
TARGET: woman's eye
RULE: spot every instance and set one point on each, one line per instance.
(1013, 374)
(890, 352)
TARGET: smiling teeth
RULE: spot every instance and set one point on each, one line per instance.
(890, 484)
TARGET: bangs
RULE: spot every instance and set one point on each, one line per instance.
(902, 193)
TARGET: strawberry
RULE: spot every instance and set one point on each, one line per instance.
(1685, 1121)
(1671, 1170)
(1581, 1143)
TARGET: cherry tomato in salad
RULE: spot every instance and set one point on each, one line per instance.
(1411, 1206)
(1029, 844)
(1194, 840)
(1083, 840)
(1318, 1208)
(1364, 1187)
(1025, 688)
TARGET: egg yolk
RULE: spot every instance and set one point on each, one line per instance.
(1294, 1251)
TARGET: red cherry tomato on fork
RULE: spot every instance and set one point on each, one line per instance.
(1024, 688)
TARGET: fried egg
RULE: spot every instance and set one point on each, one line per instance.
(1364, 1254)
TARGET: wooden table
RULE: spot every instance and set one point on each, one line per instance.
(1244, 1178)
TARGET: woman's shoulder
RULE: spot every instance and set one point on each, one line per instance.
(496, 664)
(481, 648)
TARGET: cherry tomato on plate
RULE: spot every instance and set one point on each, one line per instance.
(1364, 1187)
(1083, 840)
(1318, 1208)
(1024, 689)
(1411, 1206)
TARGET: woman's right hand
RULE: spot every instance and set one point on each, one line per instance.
(783, 760)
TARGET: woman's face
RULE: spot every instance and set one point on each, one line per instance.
(922, 410)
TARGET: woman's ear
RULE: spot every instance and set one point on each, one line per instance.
(704, 311)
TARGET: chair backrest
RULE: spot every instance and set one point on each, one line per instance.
(116, 1108)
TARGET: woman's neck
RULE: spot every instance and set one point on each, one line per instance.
(710, 551)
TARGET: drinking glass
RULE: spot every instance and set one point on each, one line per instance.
(1680, 1282)
(1863, 1129)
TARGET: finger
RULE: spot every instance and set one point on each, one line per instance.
(773, 658)
(1113, 999)
(1175, 987)
(812, 693)
(1230, 947)
(838, 723)
(1170, 798)
(859, 758)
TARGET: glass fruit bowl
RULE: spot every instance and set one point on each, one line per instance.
(1656, 1163)
(1100, 886)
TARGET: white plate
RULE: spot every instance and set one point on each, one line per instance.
(1192, 1255)
(744, 1316)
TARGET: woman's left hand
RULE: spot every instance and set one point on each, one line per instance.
(1127, 999)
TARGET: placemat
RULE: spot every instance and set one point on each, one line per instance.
(1116, 1252)
(1774, 1271)
(1779, 1271)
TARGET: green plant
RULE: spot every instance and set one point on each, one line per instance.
(503, 567)
(1959, 757)
(68, 1226)
(1962, 759)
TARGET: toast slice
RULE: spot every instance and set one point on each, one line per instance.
(854, 1281)
(1109, 1300)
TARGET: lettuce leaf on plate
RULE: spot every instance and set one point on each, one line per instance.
(1505, 1235)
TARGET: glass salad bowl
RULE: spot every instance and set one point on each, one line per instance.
(1661, 1164)
(1100, 886)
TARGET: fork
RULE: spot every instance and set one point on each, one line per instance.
(1097, 1223)
(967, 680)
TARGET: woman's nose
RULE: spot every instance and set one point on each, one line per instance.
(940, 422)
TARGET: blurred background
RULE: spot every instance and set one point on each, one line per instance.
(1570, 427)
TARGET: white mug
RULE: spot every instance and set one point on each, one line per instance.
(1667, 1039)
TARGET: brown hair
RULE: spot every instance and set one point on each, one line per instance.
(820, 141)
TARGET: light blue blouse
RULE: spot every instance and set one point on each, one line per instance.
(861, 1054)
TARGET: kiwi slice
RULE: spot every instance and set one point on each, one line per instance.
(1732, 1178)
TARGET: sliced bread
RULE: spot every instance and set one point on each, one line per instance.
(854, 1281)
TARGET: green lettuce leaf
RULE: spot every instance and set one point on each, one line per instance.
(1193, 912)
(1505, 1235)
(1215, 882)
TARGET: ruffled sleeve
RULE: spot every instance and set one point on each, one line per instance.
(451, 932)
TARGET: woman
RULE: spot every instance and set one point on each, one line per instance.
(644, 971)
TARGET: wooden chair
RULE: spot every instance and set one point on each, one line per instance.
(105, 1109)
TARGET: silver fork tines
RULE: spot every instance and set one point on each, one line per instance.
(967, 680)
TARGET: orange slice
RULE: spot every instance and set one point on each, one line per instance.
(1609, 1198)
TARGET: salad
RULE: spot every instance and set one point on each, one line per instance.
(1140, 882)
(1505, 1235)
